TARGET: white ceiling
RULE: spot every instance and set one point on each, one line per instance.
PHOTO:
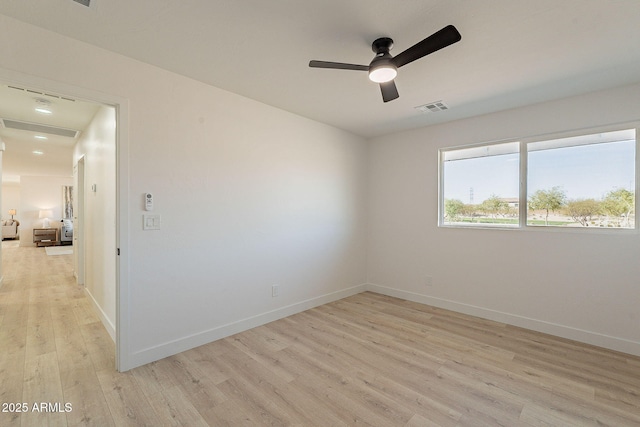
(512, 53)
(56, 158)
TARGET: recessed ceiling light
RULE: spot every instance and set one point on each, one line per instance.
(42, 106)
(40, 137)
(38, 152)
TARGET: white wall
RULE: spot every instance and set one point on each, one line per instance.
(36, 193)
(578, 285)
(1, 272)
(249, 196)
(98, 147)
(10, 199)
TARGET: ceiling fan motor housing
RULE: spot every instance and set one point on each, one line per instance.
(382, 45)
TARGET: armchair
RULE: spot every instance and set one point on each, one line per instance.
(10, 228)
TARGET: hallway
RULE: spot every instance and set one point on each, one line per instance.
(53, 347)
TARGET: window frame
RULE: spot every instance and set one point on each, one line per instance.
(523, 195)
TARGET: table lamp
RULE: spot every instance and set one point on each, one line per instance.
(44, 215)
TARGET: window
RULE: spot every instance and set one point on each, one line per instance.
(481, 185)
(586, 181)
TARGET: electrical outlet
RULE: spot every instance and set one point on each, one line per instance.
(275, 290)
(428, 281)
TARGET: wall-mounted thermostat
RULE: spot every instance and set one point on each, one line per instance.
(148, 202)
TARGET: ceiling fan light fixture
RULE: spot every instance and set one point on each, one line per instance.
(383, 73)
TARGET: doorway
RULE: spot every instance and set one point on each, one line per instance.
(92, 240)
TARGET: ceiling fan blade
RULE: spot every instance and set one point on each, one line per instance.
(389, 91)
(436, 41)
(338, 65)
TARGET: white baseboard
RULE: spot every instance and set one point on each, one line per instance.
(588, 337)
(170, 348)
(108, 325)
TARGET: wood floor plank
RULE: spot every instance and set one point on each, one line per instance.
(207, 358)
(414, 334)
(69, 342)
(83, 311)
(154, 377)
(341, 368)
(553, 416)
(127, 403)
(13, 345)
(99, 345)
(627, 401)
(174, 408)
(352, 408)
(419, 421)
(260, 387)
(289, 397)
(82, 389)
(42, 385)
(254, 406)
(11, 392)
(190, 377)
(431, 408)
(415, 375)
(259, 349)
(512, 380)
(40, 337)
(585, 373)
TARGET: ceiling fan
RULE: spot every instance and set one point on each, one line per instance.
(384, 67)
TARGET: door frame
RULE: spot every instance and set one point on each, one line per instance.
(78, 221)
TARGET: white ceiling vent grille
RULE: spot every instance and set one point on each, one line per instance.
(83, 2)
(41, 93)
(432, 107)
(38, 128)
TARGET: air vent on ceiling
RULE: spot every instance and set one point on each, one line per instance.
(41, 93)
(38, 128)
(83, 2)
(432, 107)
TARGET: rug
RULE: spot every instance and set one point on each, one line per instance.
(59, 250)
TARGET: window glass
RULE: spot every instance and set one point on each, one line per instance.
(585, 181)
(480, 185)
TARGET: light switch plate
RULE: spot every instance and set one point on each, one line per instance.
(151, 221)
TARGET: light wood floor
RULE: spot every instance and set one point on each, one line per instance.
(365, 360)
